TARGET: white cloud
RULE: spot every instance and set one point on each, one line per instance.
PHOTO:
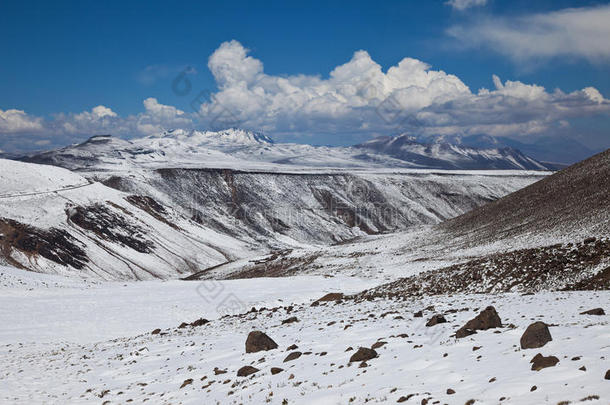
(14, 121)
(358, 98)
(464, 4)
(569, 33)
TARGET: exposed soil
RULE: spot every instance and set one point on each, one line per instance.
(53, 244)
(110, 226)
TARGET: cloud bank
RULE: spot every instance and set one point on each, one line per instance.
(577, 33)
(357, 98)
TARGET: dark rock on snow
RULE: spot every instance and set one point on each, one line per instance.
(536, 335)
(292, 356)
(258, 341)
(539, 362)
(595, 311)
(363, 354)
(487, 319)
(246, 371)
(435, 320)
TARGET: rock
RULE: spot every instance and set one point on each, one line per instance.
(156, 331)
(536, 335)
(276, 370)
(595, 311)
(328, 297)
(292, 347)
(450, 391)
(539, 362)
(377, 345)
(292, 319)
(402, 399)
(583, 368)
(487, 319)
(418, 314)
(607, 376)
(200, 322)
(534, 388)
(218, 371)
(435, 320)
(258, 341)
(292, 356)
(246, 371)
(363, 354)
(186, 382)
(183, 325)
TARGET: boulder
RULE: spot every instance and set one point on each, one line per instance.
(292, 356)
(258, 341)
(539, 362)
(536, 335)
(435, 320)
(363, 354)
(594, 311)
(487, 319)
(246, 371)
(292, 319)
(328, 297)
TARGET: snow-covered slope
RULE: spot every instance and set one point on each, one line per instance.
(239, 149)
(169, 223)
(450, 156)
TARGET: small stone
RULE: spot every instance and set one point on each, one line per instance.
(276, 370)
(534, 388)
(186, 382)
(450, 391)
(156, 331)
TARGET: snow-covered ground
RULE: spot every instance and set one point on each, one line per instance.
(45, 308)
(416, 362)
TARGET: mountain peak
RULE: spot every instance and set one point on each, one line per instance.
(227, 137)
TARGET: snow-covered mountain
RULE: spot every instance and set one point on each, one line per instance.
(165, 222)
(240, 149)
(448, 155)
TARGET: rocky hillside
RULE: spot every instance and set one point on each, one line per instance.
(174, 222)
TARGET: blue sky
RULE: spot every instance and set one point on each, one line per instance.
(61, 59)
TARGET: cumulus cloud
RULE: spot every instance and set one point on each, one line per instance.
(357, 99)
(15, 121)
(464, 4)
(580, 33)
(359, 96)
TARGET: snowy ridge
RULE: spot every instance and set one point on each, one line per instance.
(236, 148)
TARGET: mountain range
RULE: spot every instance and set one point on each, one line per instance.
(237, 149)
